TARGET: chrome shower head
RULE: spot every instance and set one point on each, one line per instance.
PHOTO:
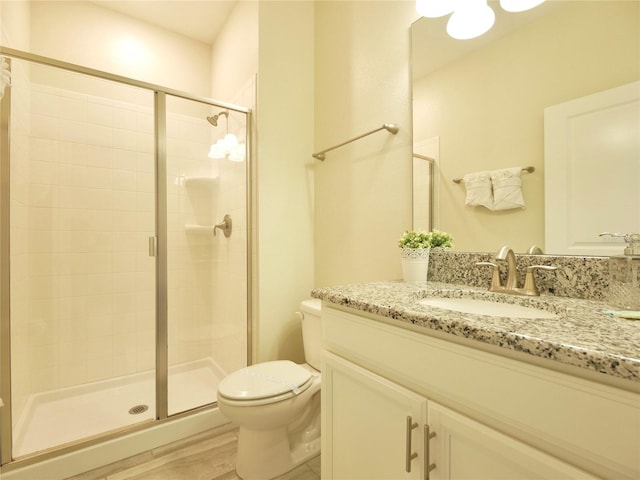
(214, 120)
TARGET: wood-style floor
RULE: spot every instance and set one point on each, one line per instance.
(208, 456)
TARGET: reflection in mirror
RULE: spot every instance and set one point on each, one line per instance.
(592, 149)
(422, 192)
(482, 101)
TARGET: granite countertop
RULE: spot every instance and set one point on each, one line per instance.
(583, 336)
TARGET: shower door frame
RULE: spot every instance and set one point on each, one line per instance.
(160, 251)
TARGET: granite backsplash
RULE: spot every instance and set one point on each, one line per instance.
(576, 277)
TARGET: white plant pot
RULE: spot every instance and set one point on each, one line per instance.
(415, 264)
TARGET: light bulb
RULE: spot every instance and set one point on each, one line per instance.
(216, 151)
(228, 147)
(471, 19)
(230, 140)
(519, 5)
(434, 8)
(238, 153)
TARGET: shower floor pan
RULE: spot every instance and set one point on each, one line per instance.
(60, 416)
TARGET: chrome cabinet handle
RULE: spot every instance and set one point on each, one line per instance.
(428, 435)
(409, 455)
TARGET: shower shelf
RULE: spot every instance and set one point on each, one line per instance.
(194, 228)
(200, 182)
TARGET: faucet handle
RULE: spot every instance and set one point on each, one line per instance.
(495, 275)
(488, 264)
(530, 287)
(549, 268)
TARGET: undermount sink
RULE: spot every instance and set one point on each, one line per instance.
(485, 307)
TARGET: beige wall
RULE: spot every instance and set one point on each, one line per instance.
(284, 180)
(119, 44)
(363, 190)
(14, 24)
(487, 108)
(234, 55)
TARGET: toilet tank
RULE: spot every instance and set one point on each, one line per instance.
(311, 331)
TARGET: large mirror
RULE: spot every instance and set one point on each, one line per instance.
(478, 105)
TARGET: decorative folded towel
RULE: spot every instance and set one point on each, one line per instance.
(479, 194)
(507, 188)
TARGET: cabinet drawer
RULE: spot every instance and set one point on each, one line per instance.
(593, 426)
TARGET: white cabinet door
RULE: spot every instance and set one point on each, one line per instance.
(466, 449)
(364, 425)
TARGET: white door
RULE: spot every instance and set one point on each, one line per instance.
(364, 425)
(592, 171)
(466, 449)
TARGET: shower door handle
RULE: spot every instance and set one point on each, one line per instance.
(152, 246)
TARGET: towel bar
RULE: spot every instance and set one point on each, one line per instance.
(390, 127)
(524, 170)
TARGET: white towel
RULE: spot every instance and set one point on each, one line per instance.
(507, 188)
(479, 194)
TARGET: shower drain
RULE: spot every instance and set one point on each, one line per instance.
(138, 409)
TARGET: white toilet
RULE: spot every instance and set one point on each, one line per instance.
(277, 407)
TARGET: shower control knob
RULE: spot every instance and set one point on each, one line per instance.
(225, 225)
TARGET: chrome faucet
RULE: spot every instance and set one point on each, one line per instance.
(511, 286)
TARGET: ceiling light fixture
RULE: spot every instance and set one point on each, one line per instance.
(469, 18)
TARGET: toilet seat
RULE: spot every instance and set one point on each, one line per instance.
(264, 383)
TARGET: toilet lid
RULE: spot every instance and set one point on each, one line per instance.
(264, 380)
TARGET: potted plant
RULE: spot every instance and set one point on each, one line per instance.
(415, 246)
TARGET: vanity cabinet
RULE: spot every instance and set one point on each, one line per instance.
(375, 425)
(376, 429)
(488, 416)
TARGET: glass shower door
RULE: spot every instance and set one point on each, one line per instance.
(82, 281)
(207, 265)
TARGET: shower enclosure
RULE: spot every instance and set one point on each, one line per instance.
(124, 253)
